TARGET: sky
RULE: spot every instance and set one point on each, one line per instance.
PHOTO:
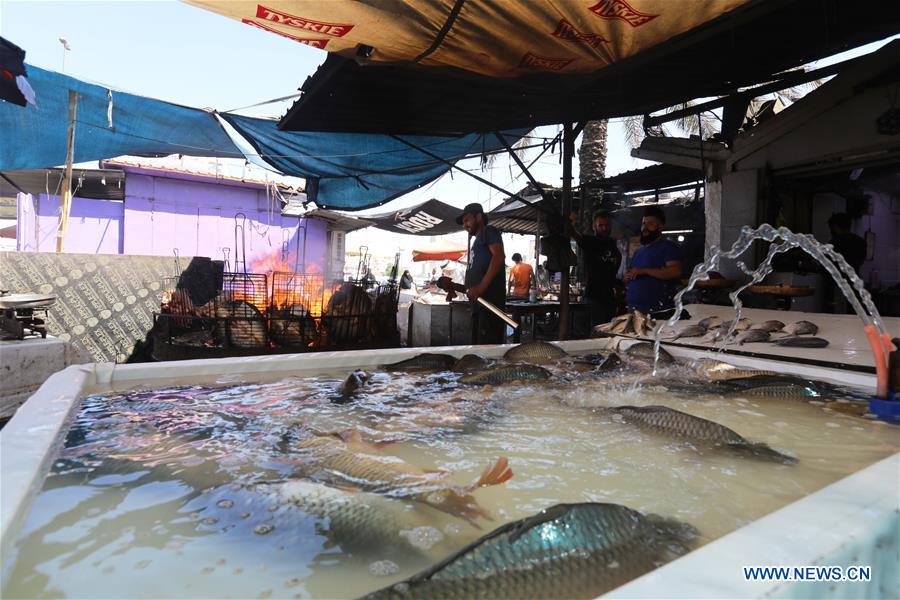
(179, 53)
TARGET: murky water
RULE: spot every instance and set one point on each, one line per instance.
(179, 492)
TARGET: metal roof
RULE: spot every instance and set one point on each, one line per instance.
(102, 184)
(337, 221)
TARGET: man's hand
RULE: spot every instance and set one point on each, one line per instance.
(474, 292)
(630, 274)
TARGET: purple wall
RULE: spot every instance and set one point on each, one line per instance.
(165, 212)
(95, 226)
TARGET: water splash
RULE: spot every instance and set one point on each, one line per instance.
(840, 271)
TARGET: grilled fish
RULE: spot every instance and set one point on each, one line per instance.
(506, 374)
(742, 325)
(565, 551)
(802, 328)
(424, 362)
(710, 322)
(770, 326)
(345, 459)
(752, 335)
(689, 331)
(675, 423)
(534, 352)
(796, 341)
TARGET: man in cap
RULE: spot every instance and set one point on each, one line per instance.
(484, 277)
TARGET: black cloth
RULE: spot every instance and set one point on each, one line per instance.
(406, 281)
(486, 327)
(851, 247)
(601, 263)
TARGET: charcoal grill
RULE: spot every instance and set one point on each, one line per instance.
(25, 315)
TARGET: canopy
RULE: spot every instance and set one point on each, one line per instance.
(13, 85)
(500, 38)
(343, 171)
(440, 250)
(444, 66)
(432, 217)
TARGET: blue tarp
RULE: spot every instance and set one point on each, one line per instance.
(344, 171)
(355, 170)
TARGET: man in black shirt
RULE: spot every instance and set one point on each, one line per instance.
(485, 275)
(852, 248)
(601, 262)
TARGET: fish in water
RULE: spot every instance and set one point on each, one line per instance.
(752, 335)
(356, 380)
(611, 363)
(565, 551)
(345, 459)
(770, 326)
(796, 341)
(534, 352)
(361, 521)
(802, 328)
(717, 371)
(675, 423)
(506, 374)
(710, 322)
(776, 386)
(689, 331)
(424, 362)
(644, 351)
(469, 363)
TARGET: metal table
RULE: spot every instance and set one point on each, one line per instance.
(518, 310)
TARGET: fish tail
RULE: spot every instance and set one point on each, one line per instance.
(495, 474)
(762, 452)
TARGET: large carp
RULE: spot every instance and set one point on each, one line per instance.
(644, 351)
(565, 551)
(427, 361)
(535, 352)
(346, 460)
(674, 423)
(506, 374)
(363, 521)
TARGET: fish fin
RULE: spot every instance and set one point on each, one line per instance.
(350, 436)
(383, 443)
(495, 474)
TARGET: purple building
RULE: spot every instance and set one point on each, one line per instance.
(138, 210)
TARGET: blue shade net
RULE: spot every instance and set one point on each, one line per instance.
(349, 171)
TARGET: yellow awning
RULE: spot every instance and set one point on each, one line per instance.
(500, 38)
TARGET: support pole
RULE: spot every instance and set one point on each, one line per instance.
(67, 180)
(568, 153)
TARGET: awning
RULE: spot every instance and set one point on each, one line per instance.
(438, 67)
(342, 171)
(498, 38)
(440, 250)
(432, 217)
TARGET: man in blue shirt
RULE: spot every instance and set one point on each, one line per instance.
(655, 268)
(485, 275)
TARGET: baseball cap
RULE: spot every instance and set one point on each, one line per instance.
(473, 208)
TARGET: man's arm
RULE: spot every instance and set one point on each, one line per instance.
(672, 270)
(497, 258)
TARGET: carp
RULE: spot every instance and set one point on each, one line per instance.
(506, 374)
(535, 352)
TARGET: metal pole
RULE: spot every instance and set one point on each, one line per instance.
(67, 180)
(568, 153)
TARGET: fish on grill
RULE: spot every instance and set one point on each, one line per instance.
(710, 322)
(565, 551)
(241, 324)
(345, 459)
(674, 423)
(771, 326)
(535, 352)
(426, 361)
(742, 325)
(506, 374)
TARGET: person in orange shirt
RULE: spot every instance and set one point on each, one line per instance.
(521, 277)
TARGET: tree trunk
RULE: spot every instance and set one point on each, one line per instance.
(592, 166)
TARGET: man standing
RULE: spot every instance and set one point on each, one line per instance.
(484, 277)
(655, 269)
(853, 249)
(601, 263)
(521, 276)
